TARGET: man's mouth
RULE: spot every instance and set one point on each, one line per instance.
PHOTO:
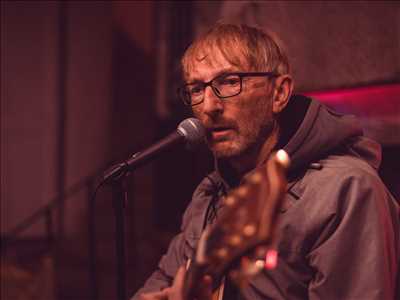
(219, 133)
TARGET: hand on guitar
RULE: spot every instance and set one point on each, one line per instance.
(175, 292)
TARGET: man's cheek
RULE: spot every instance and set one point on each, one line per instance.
(195, 112)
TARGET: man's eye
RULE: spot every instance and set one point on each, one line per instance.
(195, 89)
(229, 80)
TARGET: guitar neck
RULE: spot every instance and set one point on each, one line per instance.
(194, 274)
(193, 282)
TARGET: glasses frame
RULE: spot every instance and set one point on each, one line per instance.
(181, 90)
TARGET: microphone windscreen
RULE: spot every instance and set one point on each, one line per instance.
(193, 131)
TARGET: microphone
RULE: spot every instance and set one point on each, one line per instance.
(190, 132)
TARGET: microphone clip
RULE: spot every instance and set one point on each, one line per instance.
(118, 171)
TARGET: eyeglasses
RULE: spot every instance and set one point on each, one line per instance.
(224, 86)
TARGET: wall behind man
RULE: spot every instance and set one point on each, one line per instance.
(28, 106)
(56, 78)
(55, 123)
(330, 44)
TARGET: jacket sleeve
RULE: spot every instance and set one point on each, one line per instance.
(167, 267)
(360, 257)
(180, 249)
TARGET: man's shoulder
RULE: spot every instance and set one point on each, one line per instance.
(333, 187)
(341, 168)
(335, 176)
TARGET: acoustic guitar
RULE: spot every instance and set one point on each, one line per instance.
(239, 243)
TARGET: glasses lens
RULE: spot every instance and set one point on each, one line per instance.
(183, 94)
(224, 86)
(192, 94)
(227, 85)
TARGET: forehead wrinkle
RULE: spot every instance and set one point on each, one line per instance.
(217, 57)
(200, 59)
(215, 67)
(222, 71)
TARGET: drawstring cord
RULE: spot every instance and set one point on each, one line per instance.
(217, 192)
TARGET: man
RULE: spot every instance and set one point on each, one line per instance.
(338, 234)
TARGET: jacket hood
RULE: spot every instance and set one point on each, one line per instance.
(311, 131)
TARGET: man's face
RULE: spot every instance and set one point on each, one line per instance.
(237, 124)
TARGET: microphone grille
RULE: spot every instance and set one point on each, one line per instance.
(193, 131)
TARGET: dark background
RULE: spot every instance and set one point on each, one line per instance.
(86, 83)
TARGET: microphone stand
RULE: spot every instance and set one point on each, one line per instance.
(115, 176)
(190, 131)
(119, 201)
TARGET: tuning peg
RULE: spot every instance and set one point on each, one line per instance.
(242, 191)
(247, 269)
(283, 158)
(256, 177)
(234, 240)
(255, 267)
(222, 253)
(268, 256)
(229, 200)
(249, 229)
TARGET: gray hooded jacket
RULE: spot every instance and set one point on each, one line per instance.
(338, 231)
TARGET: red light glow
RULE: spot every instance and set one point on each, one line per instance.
(271, 259)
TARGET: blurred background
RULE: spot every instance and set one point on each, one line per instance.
(86, 83)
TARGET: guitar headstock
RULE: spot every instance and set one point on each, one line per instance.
(246, 221)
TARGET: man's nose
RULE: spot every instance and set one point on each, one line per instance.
(211, 104)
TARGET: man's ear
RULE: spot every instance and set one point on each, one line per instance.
(283, 91)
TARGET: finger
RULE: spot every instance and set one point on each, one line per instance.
(176, 292)
(179, 278)
(160, 295)
(206, 289)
